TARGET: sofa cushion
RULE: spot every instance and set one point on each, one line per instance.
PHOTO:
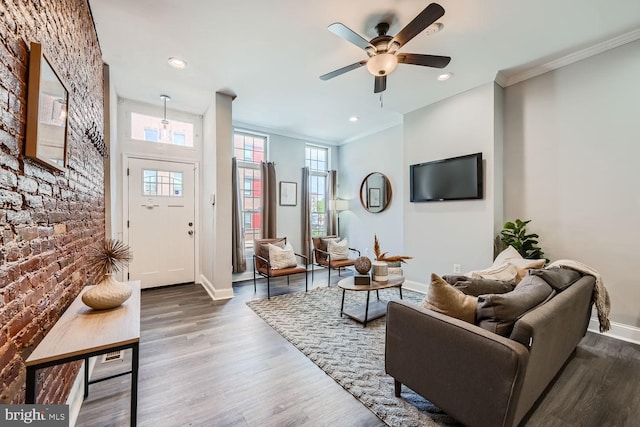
(559, 278)
(504, 272)
(477, 287)
(509, 253)
(446, 299)
(523, 265)
(281, 257)
(338, 250)
(497, 313)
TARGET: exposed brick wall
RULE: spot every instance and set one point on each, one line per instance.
(47, 218)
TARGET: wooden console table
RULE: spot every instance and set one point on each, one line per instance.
(81, 333)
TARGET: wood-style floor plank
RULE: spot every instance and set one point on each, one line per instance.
(205, 363)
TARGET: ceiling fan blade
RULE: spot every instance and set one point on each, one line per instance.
(380, 84)
(434, 61)
(342, 70)
(349, 35)
(425, 18)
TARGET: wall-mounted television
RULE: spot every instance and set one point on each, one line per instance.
(456, 178)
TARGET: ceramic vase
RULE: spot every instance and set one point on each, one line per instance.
(380, 271)
(109, 293)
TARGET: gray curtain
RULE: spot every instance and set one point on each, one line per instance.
(269, 201)
(237, 224)
(330, 209)
(305, 206)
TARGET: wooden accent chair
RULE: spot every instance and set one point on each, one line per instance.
(322, 258)
(262, 265)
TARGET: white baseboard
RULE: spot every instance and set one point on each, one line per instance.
(76, 396)
(618, 331)
(214, 293)
(415, 286)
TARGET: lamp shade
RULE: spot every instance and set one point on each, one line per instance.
(341, 205)
(382, 64)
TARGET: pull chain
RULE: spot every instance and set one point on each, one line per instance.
(381, 103)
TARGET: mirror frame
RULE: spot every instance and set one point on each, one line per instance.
(388, 189)
(33, 140)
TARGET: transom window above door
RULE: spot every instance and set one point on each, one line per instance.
(149, 128)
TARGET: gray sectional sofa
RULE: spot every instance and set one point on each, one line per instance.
(479, 377)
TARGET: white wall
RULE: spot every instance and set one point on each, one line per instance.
(572, 144)
(440, 234)
(379, 152)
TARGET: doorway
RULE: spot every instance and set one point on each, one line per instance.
(160, 221)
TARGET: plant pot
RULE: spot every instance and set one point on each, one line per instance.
(109, 293)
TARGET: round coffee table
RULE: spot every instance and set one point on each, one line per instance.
(369, 311)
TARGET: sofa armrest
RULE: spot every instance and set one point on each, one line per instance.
(470, 373)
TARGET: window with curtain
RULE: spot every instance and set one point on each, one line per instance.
(317, 160)
(249, 150)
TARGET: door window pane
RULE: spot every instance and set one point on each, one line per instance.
(161, 183)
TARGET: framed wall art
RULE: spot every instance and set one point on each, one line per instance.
(288, 193)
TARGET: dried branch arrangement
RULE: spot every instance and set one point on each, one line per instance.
(108, 257)
(382, 256)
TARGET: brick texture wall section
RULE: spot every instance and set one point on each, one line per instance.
(47, 218)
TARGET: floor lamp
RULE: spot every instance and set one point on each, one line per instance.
(340, 205)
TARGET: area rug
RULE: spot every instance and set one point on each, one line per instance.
(350, 354)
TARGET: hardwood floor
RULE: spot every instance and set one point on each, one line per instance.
(205, 363)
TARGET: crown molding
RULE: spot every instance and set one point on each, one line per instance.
(270, 131)
(505, 80)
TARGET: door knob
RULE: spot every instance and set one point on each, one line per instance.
(190, 232)
(190, 224)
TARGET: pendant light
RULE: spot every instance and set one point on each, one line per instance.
(165, 126)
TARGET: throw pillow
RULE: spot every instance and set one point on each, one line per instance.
(523, 265)
(509, 253)
(559, 278)
(504, 272)
(477, 287)
(264, 247)
(282, 257)
(446, 299)
(498, 313)
(338, 250)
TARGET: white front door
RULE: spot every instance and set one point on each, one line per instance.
(161, 222)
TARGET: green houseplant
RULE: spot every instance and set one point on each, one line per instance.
(515, 234)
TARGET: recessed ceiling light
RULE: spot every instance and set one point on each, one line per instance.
(445, 76)
(176, 62)
(354, 119)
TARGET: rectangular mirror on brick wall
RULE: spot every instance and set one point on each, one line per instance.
(47, 112)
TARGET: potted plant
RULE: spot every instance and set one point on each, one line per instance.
(515, 234)
(103, 261)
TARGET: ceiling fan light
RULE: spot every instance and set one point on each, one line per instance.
(382, 64)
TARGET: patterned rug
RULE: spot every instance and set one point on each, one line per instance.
(350, 354)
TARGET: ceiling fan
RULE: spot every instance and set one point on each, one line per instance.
(383, 49)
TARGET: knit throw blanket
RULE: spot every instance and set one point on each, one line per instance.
(600, 294)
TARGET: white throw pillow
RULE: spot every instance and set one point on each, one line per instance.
(338, 250)
(282, 258)
(505, 272)
(509, 253)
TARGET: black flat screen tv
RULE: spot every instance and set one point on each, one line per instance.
(456, 178)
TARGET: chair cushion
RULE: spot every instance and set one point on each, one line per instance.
(281, 258)
(338, 250)
(446, 299)
(321, 243)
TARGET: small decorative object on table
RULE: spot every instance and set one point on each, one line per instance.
(105, 260)
(394, 263)
(361, 279)
(380, 272)
(362, 264)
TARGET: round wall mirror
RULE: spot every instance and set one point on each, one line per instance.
(375, 192)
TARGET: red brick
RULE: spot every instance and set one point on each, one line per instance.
(7, 353)
(30, 265)
(19, 322)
